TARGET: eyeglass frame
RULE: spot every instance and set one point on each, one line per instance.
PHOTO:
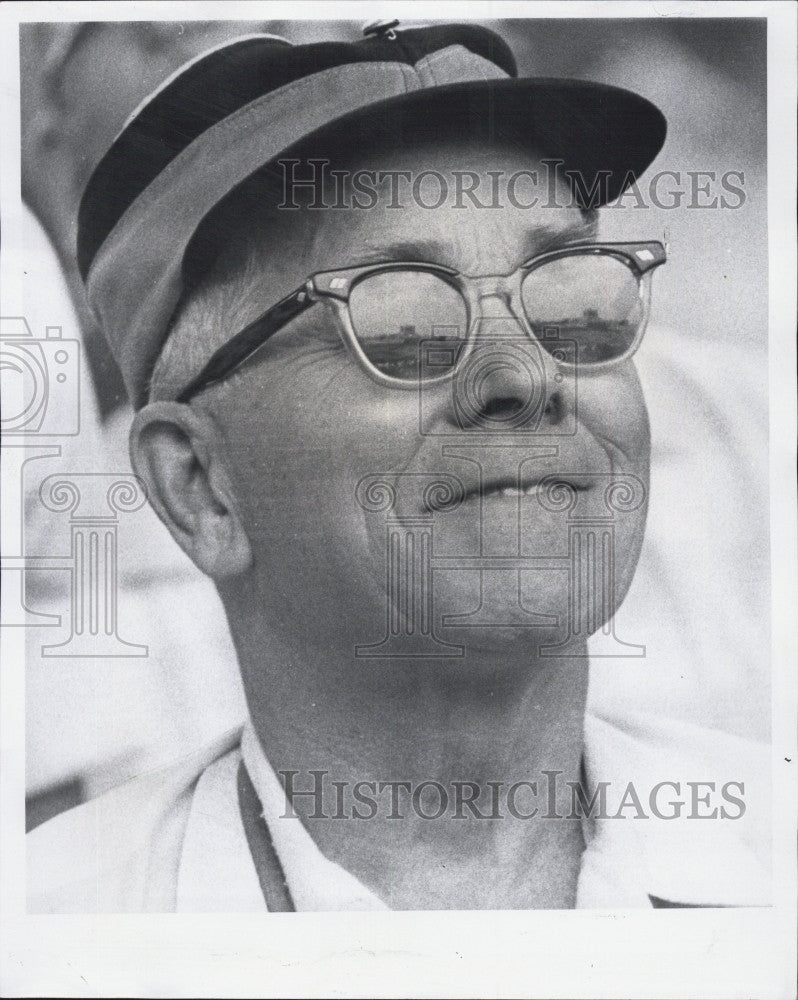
(336, 286)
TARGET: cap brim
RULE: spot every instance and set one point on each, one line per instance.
(605, 135)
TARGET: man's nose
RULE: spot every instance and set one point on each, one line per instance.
(509, 380)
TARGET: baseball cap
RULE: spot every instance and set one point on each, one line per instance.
(228, 113)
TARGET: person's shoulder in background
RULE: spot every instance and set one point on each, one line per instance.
(119, 853)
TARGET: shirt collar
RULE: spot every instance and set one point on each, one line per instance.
(682, 860)
(316, 883)
(216, 872)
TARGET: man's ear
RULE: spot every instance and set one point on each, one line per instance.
(177, 452)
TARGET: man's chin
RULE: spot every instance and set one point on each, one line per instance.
(504, 612)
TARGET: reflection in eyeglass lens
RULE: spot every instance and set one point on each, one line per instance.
(393, 312)
(592, 301)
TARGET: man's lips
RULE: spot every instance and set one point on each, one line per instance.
(513, 487)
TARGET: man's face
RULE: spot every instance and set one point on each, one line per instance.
(304, 424)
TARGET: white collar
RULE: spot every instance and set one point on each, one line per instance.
(216, 872)
(696, 862)
(315, 882)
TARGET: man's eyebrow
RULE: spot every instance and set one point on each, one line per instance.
(431, 251)
(555, 239)
(538, 241)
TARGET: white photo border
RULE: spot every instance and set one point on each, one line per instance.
(662, 953)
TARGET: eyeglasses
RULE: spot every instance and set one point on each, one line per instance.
(594, 298)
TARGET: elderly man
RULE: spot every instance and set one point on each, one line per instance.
(387, 402)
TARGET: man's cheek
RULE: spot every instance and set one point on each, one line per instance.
(614, 406)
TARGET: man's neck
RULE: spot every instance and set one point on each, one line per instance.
(506, 740)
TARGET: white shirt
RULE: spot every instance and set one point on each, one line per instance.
(174, 840)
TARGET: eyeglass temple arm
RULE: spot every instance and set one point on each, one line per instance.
(245, 343)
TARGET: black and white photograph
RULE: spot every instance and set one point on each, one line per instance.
(398, 476)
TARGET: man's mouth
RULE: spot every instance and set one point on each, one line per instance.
(512, 489)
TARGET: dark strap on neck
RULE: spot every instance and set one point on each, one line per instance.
(270, 872)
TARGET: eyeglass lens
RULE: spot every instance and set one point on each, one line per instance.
(590, 301)
(395, 313)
